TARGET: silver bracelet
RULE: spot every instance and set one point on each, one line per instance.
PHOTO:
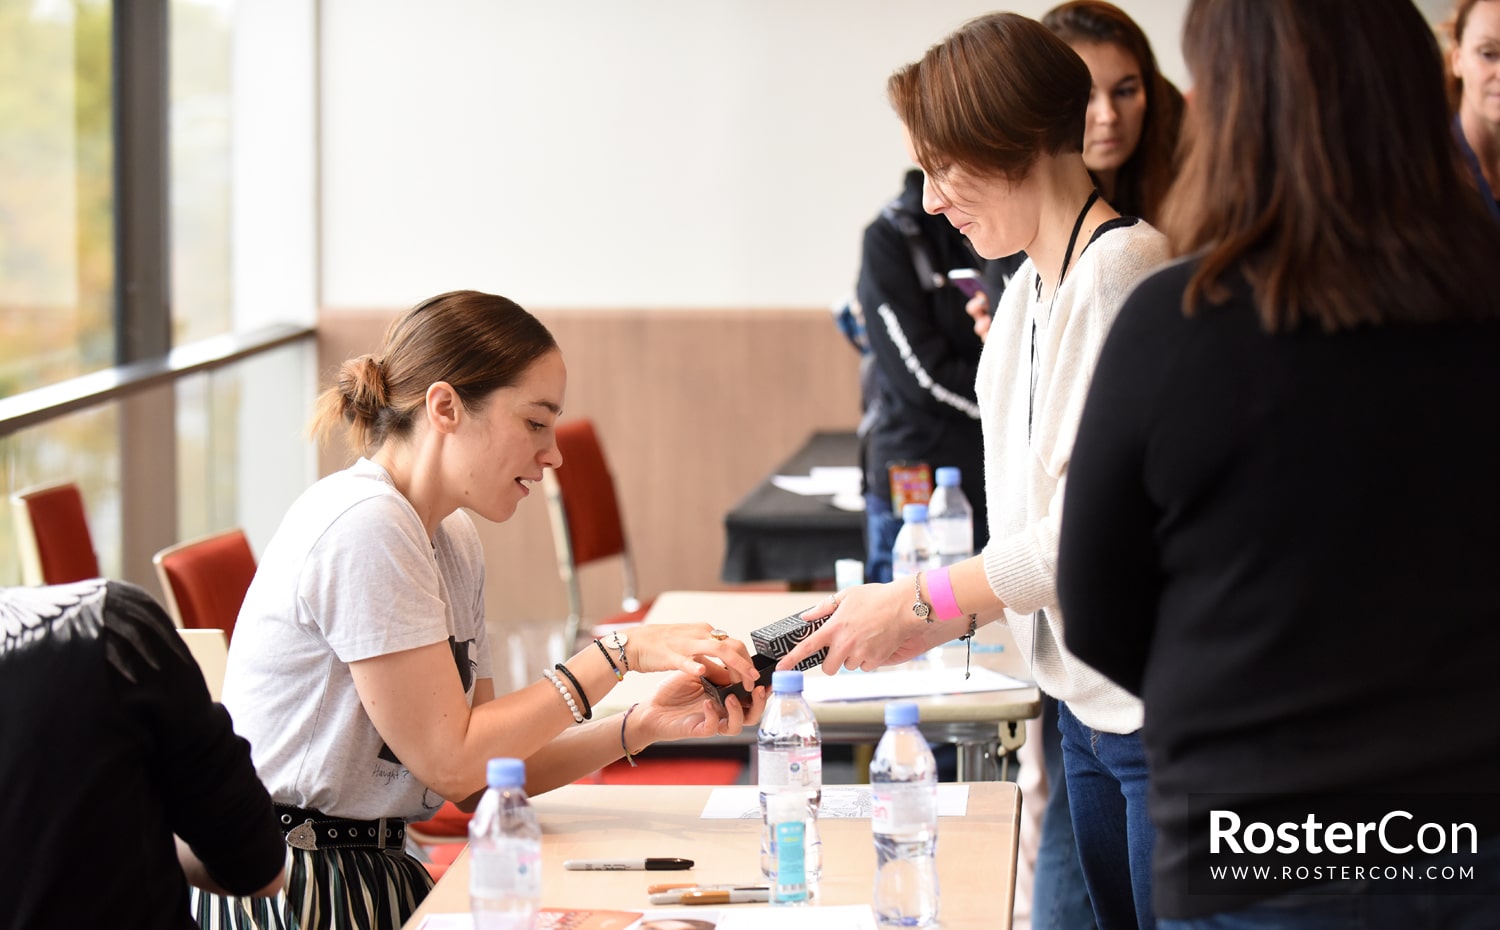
(562, 689)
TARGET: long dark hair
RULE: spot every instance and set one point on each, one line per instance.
(1143, 179)
(476, 342)
(1330, 180)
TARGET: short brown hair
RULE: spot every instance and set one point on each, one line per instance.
(1321, 165)
(475, 342)
(992, 98)
(1144, 178)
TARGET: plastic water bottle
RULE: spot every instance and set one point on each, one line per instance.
(912, 551)
(903, 788)
(505, 852)
(790, 761)
(950, 519)
(787, 813)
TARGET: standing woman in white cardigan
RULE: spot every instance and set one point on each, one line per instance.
(995, 116)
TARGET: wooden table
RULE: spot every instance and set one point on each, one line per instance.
(981, 725)
(976, 853)
(775, 535)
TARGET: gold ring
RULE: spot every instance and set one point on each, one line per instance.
(720, 635)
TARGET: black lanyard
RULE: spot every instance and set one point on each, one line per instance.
(1062, 273)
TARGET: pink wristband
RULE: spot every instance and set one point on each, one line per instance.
(940, 590)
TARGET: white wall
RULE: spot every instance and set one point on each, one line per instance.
(619, 153)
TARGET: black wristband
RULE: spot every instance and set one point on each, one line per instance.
(588, 709)
(619, 675)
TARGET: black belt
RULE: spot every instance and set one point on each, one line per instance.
(307, 829)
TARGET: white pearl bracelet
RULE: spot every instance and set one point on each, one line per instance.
(562, 689)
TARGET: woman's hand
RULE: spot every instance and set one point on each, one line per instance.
(868, 626)
(682, 709)
(687, 647)
(978, 307)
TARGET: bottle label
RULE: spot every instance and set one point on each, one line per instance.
(898, 808)
(508, 867)
(791, 862)
(795, 768)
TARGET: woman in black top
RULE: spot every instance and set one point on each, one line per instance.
(1282, 523)
(110, 745)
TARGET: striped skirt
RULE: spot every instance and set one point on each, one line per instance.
(336, 889)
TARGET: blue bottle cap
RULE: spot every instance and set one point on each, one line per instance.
(505, 773)
(786, 682)
(914, 513)
(947, 476)
(901, 714)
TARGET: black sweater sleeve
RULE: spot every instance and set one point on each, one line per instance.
(1108, 576)
(212, 797)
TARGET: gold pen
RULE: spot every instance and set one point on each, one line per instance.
(753, 894)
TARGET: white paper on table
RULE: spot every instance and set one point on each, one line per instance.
(906, 682)
(840, 802)
(447, 922)
(834, 917)
(840, 479)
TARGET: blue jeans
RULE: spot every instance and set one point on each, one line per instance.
(881, 527)
(1059, 900)
(1371, 906)
(1106, 777)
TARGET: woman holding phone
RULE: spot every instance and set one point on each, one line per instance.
(994, 114)
(360, 667)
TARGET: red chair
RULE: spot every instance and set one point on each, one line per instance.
(586, 523)
(204, 580)
(52, 530)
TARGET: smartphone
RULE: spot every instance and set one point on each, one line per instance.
(764, 663)
(968, 281)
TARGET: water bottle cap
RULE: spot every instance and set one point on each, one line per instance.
(505, 773)
(786, 682)
(948, 476)
(901, 714)
(914, 513)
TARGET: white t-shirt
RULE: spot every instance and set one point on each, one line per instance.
(349, 575)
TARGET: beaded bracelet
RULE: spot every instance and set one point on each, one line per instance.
(588, 709)
(623, 720)
(624, 659)
(619, 675)
(563, 690)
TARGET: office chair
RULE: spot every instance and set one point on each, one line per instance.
(52, 533)
(586, 523)
(210, 649)
(204, 580)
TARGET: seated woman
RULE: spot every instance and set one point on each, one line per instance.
(360, 668)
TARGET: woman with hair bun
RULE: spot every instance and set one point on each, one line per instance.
(360, 666)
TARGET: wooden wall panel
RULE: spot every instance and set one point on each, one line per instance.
(693, 408)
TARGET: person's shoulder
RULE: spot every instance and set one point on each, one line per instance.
(1155, 303)
(459, 531)
(1131, 243)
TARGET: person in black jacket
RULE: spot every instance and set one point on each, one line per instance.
(920, 405)
(121, 781)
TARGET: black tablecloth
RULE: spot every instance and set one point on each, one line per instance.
(777, 535)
